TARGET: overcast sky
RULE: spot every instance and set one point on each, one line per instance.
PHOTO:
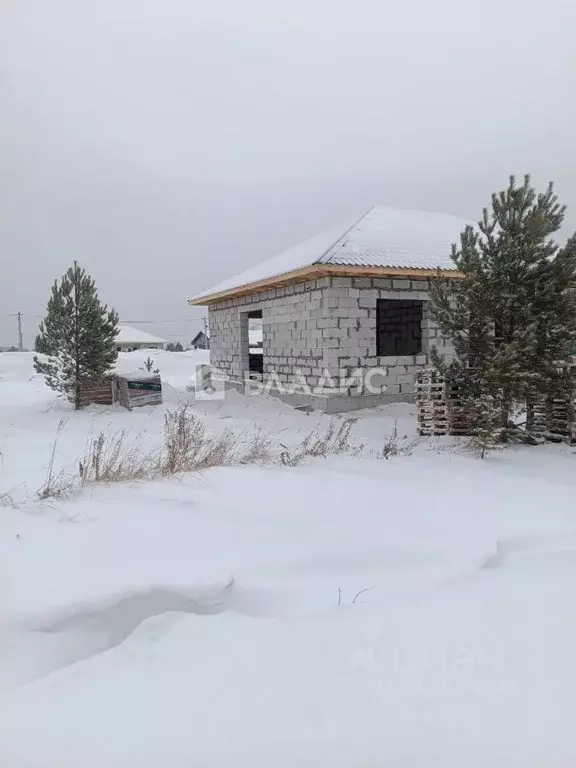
(168, 144)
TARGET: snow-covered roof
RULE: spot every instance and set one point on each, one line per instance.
(383, 237)
(129, 335)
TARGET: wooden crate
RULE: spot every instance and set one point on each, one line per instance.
(136, 390)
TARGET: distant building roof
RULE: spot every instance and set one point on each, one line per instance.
(129, 335)
(383, 238)
(201, 340)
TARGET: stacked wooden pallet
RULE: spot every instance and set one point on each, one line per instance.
(442, 410)
(560, 418)
(98, 392)
(458, 414)
(537, 417)
(431, 402)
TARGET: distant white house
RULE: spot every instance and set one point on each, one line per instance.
(129, 339)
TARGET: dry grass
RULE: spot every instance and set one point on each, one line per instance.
(335, 440)
(258, 448)
(189, 446)
(57, 485)
(112, 458)
(398, 446)
(7, 500)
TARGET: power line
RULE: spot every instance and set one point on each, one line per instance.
(181, 320)
(140, 322)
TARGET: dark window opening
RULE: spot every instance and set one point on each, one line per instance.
(255, 342)
(398, 327)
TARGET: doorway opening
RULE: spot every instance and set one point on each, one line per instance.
(255, 343)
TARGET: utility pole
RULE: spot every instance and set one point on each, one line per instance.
(20, 340)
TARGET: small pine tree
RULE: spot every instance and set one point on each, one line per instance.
(170, 347)
(178, 347)
(513, 315)
(149, 366)
(78, 335)
(486, 429)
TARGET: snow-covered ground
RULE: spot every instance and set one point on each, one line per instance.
(351, 611)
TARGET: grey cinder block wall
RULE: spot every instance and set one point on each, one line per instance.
(328, 325)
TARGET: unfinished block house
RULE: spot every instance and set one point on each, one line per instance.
(345, 316)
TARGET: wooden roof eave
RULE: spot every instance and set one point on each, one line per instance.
(317, 271)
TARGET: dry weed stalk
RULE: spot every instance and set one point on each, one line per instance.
(57, 485)
(112, 458)
(188, 446)
(335, 440)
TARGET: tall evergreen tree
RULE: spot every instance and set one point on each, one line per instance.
(39, 343)
(512, 316)
(78, 335)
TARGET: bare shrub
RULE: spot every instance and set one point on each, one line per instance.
(112, 458)
(218, 451)
(259, 448)
(335, 440)
(184, 438)
(188, 445)
(61, 485)
(398, 446)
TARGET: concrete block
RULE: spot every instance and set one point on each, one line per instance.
(362, 282)
(350, 303)
(342, 282)
(334, 293)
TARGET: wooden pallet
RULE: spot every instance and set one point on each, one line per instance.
(431, 403)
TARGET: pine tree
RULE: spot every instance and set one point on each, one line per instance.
(178, 347)
(170, 347)
(148, 366)
(513, 315)
(78, 335)
(39, 343)
(485, 427)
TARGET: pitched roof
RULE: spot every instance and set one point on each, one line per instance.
(383, 237)
(129, 335)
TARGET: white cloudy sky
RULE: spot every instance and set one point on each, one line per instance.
(167, 144)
